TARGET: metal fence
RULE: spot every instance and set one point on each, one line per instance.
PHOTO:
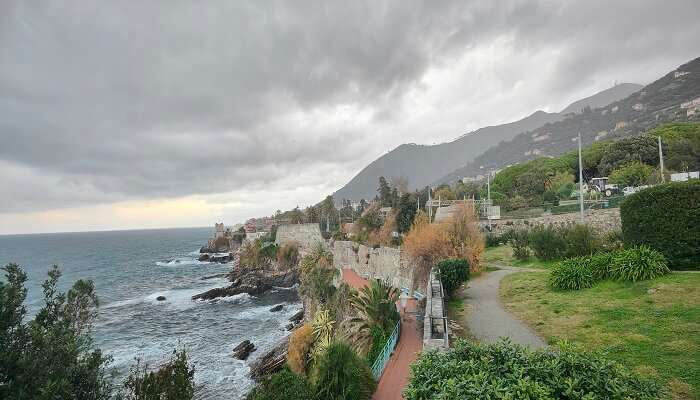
(383, 357)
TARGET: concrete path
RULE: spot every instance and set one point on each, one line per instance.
(395, 376)
(487, 320)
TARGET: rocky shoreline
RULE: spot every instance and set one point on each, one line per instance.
(254, 281)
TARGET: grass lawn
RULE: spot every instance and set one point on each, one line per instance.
(503, 255)
(651, 326)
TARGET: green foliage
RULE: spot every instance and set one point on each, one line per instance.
(643, 149)
(172, 381)
(509, 371)
(452, 273)
(341, 375)
(665, 218)
(379, 339)
(384, 192)
(572, 274)
(282, 385)
(51, 356)
(257, 253)
(406, 211)
(581, 240)
(519, 241)
(634, 173)
(637, 264)
(288, 255)
(375, 305)
(547, 242)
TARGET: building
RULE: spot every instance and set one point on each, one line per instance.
(219, 230)
(685, 176)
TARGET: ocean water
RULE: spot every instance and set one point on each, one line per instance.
(130, 269)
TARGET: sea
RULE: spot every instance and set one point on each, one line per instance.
(130, 270)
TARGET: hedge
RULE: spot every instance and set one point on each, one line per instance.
(666, 218)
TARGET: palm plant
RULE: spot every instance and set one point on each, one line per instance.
(375, 305)
(323, 329)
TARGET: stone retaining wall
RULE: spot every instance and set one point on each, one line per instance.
(606, 220)
(306, 235)
(384, 263)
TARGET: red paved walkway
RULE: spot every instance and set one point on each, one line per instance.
(395, 376)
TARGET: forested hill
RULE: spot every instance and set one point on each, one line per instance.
(423, 164)
(657, 103)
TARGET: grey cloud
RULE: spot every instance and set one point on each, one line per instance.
(140, 99)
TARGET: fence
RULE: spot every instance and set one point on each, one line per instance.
(383, 357)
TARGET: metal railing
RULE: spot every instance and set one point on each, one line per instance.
(383, 357)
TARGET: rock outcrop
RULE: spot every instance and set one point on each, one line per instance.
(243, 350)
(270, 362)
(254, 280)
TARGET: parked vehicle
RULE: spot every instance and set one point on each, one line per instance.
(602, 186)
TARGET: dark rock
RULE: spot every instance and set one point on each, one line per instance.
(298, 316)
(204, 278)
(276, 308)
(160, 298)
(290, 326)
(254, 281)
(243, 350)
(204, 249)
(270, 362)
(204, 257)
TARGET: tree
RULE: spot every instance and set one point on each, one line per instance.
(634, 173)
(406, 211)
(173, 380)
(465, 238)
(400, 183)
(384, 191)
(51, 356)
(375, 305)
(282, 385)
(643, 149)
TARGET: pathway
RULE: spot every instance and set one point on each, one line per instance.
(395, 376)
(487, 320)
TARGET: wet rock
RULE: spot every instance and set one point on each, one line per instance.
(204, 257)
(160, 298)
(243, 350)
(254, 281)
(290, 326)
(277, 308)
(298, 317)
(204, 278)
(270, 362)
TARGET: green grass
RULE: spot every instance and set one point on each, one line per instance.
(651, 326)
(503, 255)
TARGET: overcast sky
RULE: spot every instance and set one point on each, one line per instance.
(140, 114)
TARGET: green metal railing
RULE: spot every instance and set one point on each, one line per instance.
(383, 357)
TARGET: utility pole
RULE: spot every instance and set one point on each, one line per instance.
(580, 176)
(661, 161)
(430, 207)
(488, 191)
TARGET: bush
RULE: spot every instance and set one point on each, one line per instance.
(508, 371)
(282, 385)
(341, 375)
(581, 240)
(572, 274)
(288, 255)
(520, 240)
(547, 242)
(637, 264)
(452, 272)
(174, 380)
(300, 342)
(665, 218)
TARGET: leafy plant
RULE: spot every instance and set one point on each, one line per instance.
(282, 385)
(508, 371)
(637, 263)
(547, 242)
(452, 273)
(288, 255)
(341, 375)
(572, 274)
(581, 240)
(375, 305)
(323, 329)
(174, 380)
(665, 218)
(519, 241)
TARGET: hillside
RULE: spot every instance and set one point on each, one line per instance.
(657, 103)
(423, 164)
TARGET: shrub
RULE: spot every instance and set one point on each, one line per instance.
(547, 242)
(282, 385)
(520, 240)
(288, 255)
(452, 272)
(637, 264)
(174, 380)
(341, 375)
(581, 240)
(508, 371)
(665, 218)
(300, 342)
(572, 274)
(375, 305)
(379, 339)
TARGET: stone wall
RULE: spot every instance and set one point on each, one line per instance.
(384, 263)
(306, 235)
(605, 220)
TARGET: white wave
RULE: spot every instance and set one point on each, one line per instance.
(236, 299)
(181, 261)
